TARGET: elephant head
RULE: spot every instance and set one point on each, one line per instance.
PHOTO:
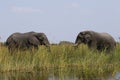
(42, 38)
(83, 37)
(39, 39)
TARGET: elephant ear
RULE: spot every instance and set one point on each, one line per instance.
(88, 38)
(33, 41)
(40, 36)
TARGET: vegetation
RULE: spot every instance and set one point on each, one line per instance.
(81, 62)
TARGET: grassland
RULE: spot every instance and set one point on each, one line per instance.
(63, 58)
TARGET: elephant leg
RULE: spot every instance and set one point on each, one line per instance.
(33, 48)
(110, 49)
(12, 50)
(93, 45)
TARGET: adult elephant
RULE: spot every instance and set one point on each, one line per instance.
(95, 40)
(29, 40)
(66, 43)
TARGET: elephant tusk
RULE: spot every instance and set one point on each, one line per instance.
(75, 45)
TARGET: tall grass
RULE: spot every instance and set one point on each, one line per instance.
(63, 58)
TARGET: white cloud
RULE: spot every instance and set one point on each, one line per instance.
(72, 5)
(18, 9)
(75, 5)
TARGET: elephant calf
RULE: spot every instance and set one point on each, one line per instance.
(27, 40)
(95, 40)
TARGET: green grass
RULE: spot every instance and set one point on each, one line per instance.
(63, 58)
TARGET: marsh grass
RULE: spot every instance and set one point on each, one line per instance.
(63, 59)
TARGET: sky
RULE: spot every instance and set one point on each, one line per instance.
(60, 20)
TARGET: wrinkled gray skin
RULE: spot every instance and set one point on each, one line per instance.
(95, 40)
(65, 43)
(27, 40)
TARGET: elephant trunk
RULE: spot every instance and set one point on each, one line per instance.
(47, 44)
(77, 42)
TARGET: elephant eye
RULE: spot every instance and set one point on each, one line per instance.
(88, 37)
(41, 38)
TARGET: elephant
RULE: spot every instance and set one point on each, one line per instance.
(66, 43)
(28, 40)
(96, 40)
